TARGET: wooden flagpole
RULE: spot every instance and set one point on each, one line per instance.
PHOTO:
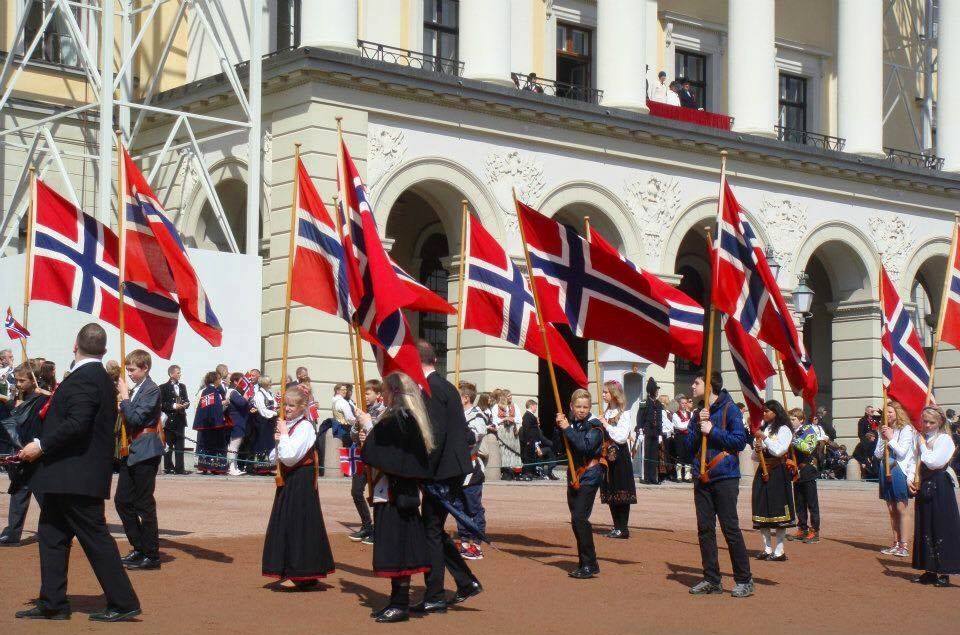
(462, 277)
(596, 347)
(883, 321)
(357, 386)
(943, 309)
(121, 277)
(708, 371)
(28, 263)
(291, 256)
(783, 396)
(574, 479)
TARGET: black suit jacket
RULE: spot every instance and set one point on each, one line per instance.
(143, 411)
(176, 419)
(451, 456)
(77, 436)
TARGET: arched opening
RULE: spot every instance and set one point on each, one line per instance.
(208, 233)
(926, 291)
(692, 265)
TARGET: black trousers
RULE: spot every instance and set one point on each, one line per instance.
(807, 500)
(137, 507)
(63, 517)
(174, 454)
(621, 516)
(718, 501)
(358, 488)
(651, 459)
(443, 552)
(17, 513)
(580, 502)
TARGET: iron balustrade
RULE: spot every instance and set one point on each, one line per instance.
(523, 81)
(413, 59)
(916, 159)
(815, 139)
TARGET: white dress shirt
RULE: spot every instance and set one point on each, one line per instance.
(294, 446)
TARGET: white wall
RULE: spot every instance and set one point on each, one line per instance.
(232, 283)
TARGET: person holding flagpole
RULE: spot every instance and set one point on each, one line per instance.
(619, 490)
(772, 501)
(898, 444)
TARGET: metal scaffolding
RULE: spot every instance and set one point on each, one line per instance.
(911, 62)
(111, 82)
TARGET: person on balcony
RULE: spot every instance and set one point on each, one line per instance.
(687, 98)
(673, 95)
(660, 91)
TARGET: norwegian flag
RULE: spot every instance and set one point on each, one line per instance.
(905, 371)
(497, 302)
(744, 288)
(377, 292)
(597, 294)
(246, 386)
(15, 330)
(75, 265)
(950, 331)
(752, 366)
(319, 269)
(426, 300)
(157, 258)
(350, 462)
(686, 316)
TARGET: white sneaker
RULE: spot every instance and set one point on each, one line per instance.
(235, 472)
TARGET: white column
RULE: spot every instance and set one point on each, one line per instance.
(860, 75)
(329, 24)
(653, 39)
(521, 36)
(751, 66)
(383, 24)
(485, 40)
(948, 86)
(622, 53)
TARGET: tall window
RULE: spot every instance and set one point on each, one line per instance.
(574, 61)
(288, 22)
(433, 326)
(440, 33)
(793, 103)
(692, 67)
(57, 45)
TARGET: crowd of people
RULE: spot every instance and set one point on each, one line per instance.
(424, 457)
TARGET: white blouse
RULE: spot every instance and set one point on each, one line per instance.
(619, 432)
(940, 454)
(903, 449)
(679, 425)
(778, 443)
(294, 446)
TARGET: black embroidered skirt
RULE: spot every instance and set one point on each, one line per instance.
(618, 487)
(773, 499)
(936, 530)
(296, 546)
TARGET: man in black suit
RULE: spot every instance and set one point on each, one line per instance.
(687, 98)
(134, 499)
(449, 462)
(75, 464)
(535, 447)
(174, 403)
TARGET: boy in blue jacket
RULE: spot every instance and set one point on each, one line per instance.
(715, 492)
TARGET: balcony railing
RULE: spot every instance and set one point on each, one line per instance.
(915, 159)
(534, 84)
(822, 141)
(413, 59)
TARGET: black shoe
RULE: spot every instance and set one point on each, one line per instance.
(169, 472)
(584, 573)
(552, 476)
(763, 555)
(391, 615)
(430, 607)
(182, 472)
(8, 541)
(617, 534)
(705, 587)
(942, 581)
(360, 534)
(113, 615)
(37, 613)
(379, 612)
(133, 556)
(467, 592)
(143, 564)
(925, 578)
(781, 558)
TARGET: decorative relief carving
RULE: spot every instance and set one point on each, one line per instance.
(893, 237)
(386, 151)
(785, 222)
(507, 171)
(655, 202)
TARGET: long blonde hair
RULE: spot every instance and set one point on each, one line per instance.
(403, 392)
(901, 417)
(616, 394)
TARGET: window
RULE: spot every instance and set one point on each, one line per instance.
(793, 107)
(440, 34)
(433, 326)
(288, 21)
(692, 67)
(57, 45)
(574, 61)
(923, 318)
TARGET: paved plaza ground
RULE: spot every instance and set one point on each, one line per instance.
(212, 535)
